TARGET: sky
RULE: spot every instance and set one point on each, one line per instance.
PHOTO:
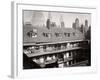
(40, 17)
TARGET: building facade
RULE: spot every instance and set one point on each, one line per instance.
(54, 47)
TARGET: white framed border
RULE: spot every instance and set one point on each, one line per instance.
(17, 42)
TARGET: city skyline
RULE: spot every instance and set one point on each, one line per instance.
(40, 18)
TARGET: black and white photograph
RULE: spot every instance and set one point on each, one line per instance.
(53, 40)
(56, 39)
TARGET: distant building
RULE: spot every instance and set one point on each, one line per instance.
(48, 23)
(77, 23)
(37, 18)
(88, 33)
(86, 26)
(53, 24)
(86, 22)
(82, 28)
(74, 26)
(62, 22)
(27, 23)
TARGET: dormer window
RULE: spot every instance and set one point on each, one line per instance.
(67, 34)
(73, 33)
(47, 35)
(58, 34)
(32, 33)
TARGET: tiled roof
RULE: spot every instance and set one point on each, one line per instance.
(40, 38)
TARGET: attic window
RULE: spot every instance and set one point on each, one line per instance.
(32, 33)
(47, 35)
(67, 34)
(58, 34)
(44, 34)
(73, 33)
